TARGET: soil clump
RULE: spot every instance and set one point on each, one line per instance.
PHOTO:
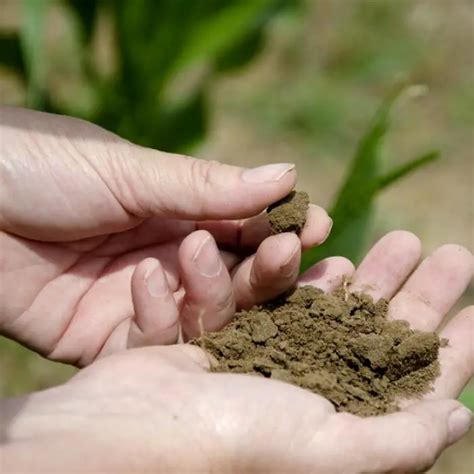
(340, 346)
(289, 214)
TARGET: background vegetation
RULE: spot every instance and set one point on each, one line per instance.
(251, 81)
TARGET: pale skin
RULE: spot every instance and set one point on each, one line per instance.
(107, 246)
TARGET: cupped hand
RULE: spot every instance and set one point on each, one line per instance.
(158, 409)
(85, 217)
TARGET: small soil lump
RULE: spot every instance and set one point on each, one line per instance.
(289, 214)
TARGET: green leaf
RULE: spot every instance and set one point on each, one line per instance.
(32, 44)
(174, 127)
(182, 125)
(407, 168)
(363, 171)
(241, 53)
(10, 52)
(151, 35)
(220, 31)
(354, 204)
(467, 397)
(159, 42)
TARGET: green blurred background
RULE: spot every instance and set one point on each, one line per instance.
(256, 81)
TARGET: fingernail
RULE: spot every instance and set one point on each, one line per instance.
(207, 258)
(267, 173)
(156, 282)
(459, 423)
(331, 222)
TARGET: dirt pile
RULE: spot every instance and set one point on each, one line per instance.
(340, 346)
(289, 214)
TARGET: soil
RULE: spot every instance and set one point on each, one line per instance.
(289, 214)
(340, 346)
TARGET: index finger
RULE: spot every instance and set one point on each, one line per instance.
(248, 234)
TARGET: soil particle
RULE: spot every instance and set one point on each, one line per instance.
(340, 346)
(289, 214)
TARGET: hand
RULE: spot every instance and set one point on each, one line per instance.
(158, 410)
(83, 213)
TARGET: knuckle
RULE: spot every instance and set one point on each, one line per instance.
(202, 181)
(203, 172)
(226, 302)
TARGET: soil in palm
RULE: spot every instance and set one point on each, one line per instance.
(341, 345)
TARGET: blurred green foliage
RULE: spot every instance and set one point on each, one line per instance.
(159, 43)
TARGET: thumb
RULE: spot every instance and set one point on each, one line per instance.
(149, 182)
(410, 440)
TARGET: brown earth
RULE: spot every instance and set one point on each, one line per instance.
(340, 346)
(289, 214)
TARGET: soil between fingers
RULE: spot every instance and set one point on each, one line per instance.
(289, 214)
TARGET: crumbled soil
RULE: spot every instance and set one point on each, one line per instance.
(340, 346)
(289, 214)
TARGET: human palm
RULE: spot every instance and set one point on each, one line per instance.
(89, 223)
(169, 414)
(106, 245)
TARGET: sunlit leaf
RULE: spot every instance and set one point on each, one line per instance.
(220, 31)
(354, 203)
(407, 168)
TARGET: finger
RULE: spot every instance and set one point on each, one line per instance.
(108, 302)
(156, 318)
(387, 265)
(230, 259)
(408, 441)
(268, 273)
(115, 185)
(317, 227)
(457, 358)
(328, 274)
(249, 233)
(148, 182)
(209, 299)
(434, 287)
